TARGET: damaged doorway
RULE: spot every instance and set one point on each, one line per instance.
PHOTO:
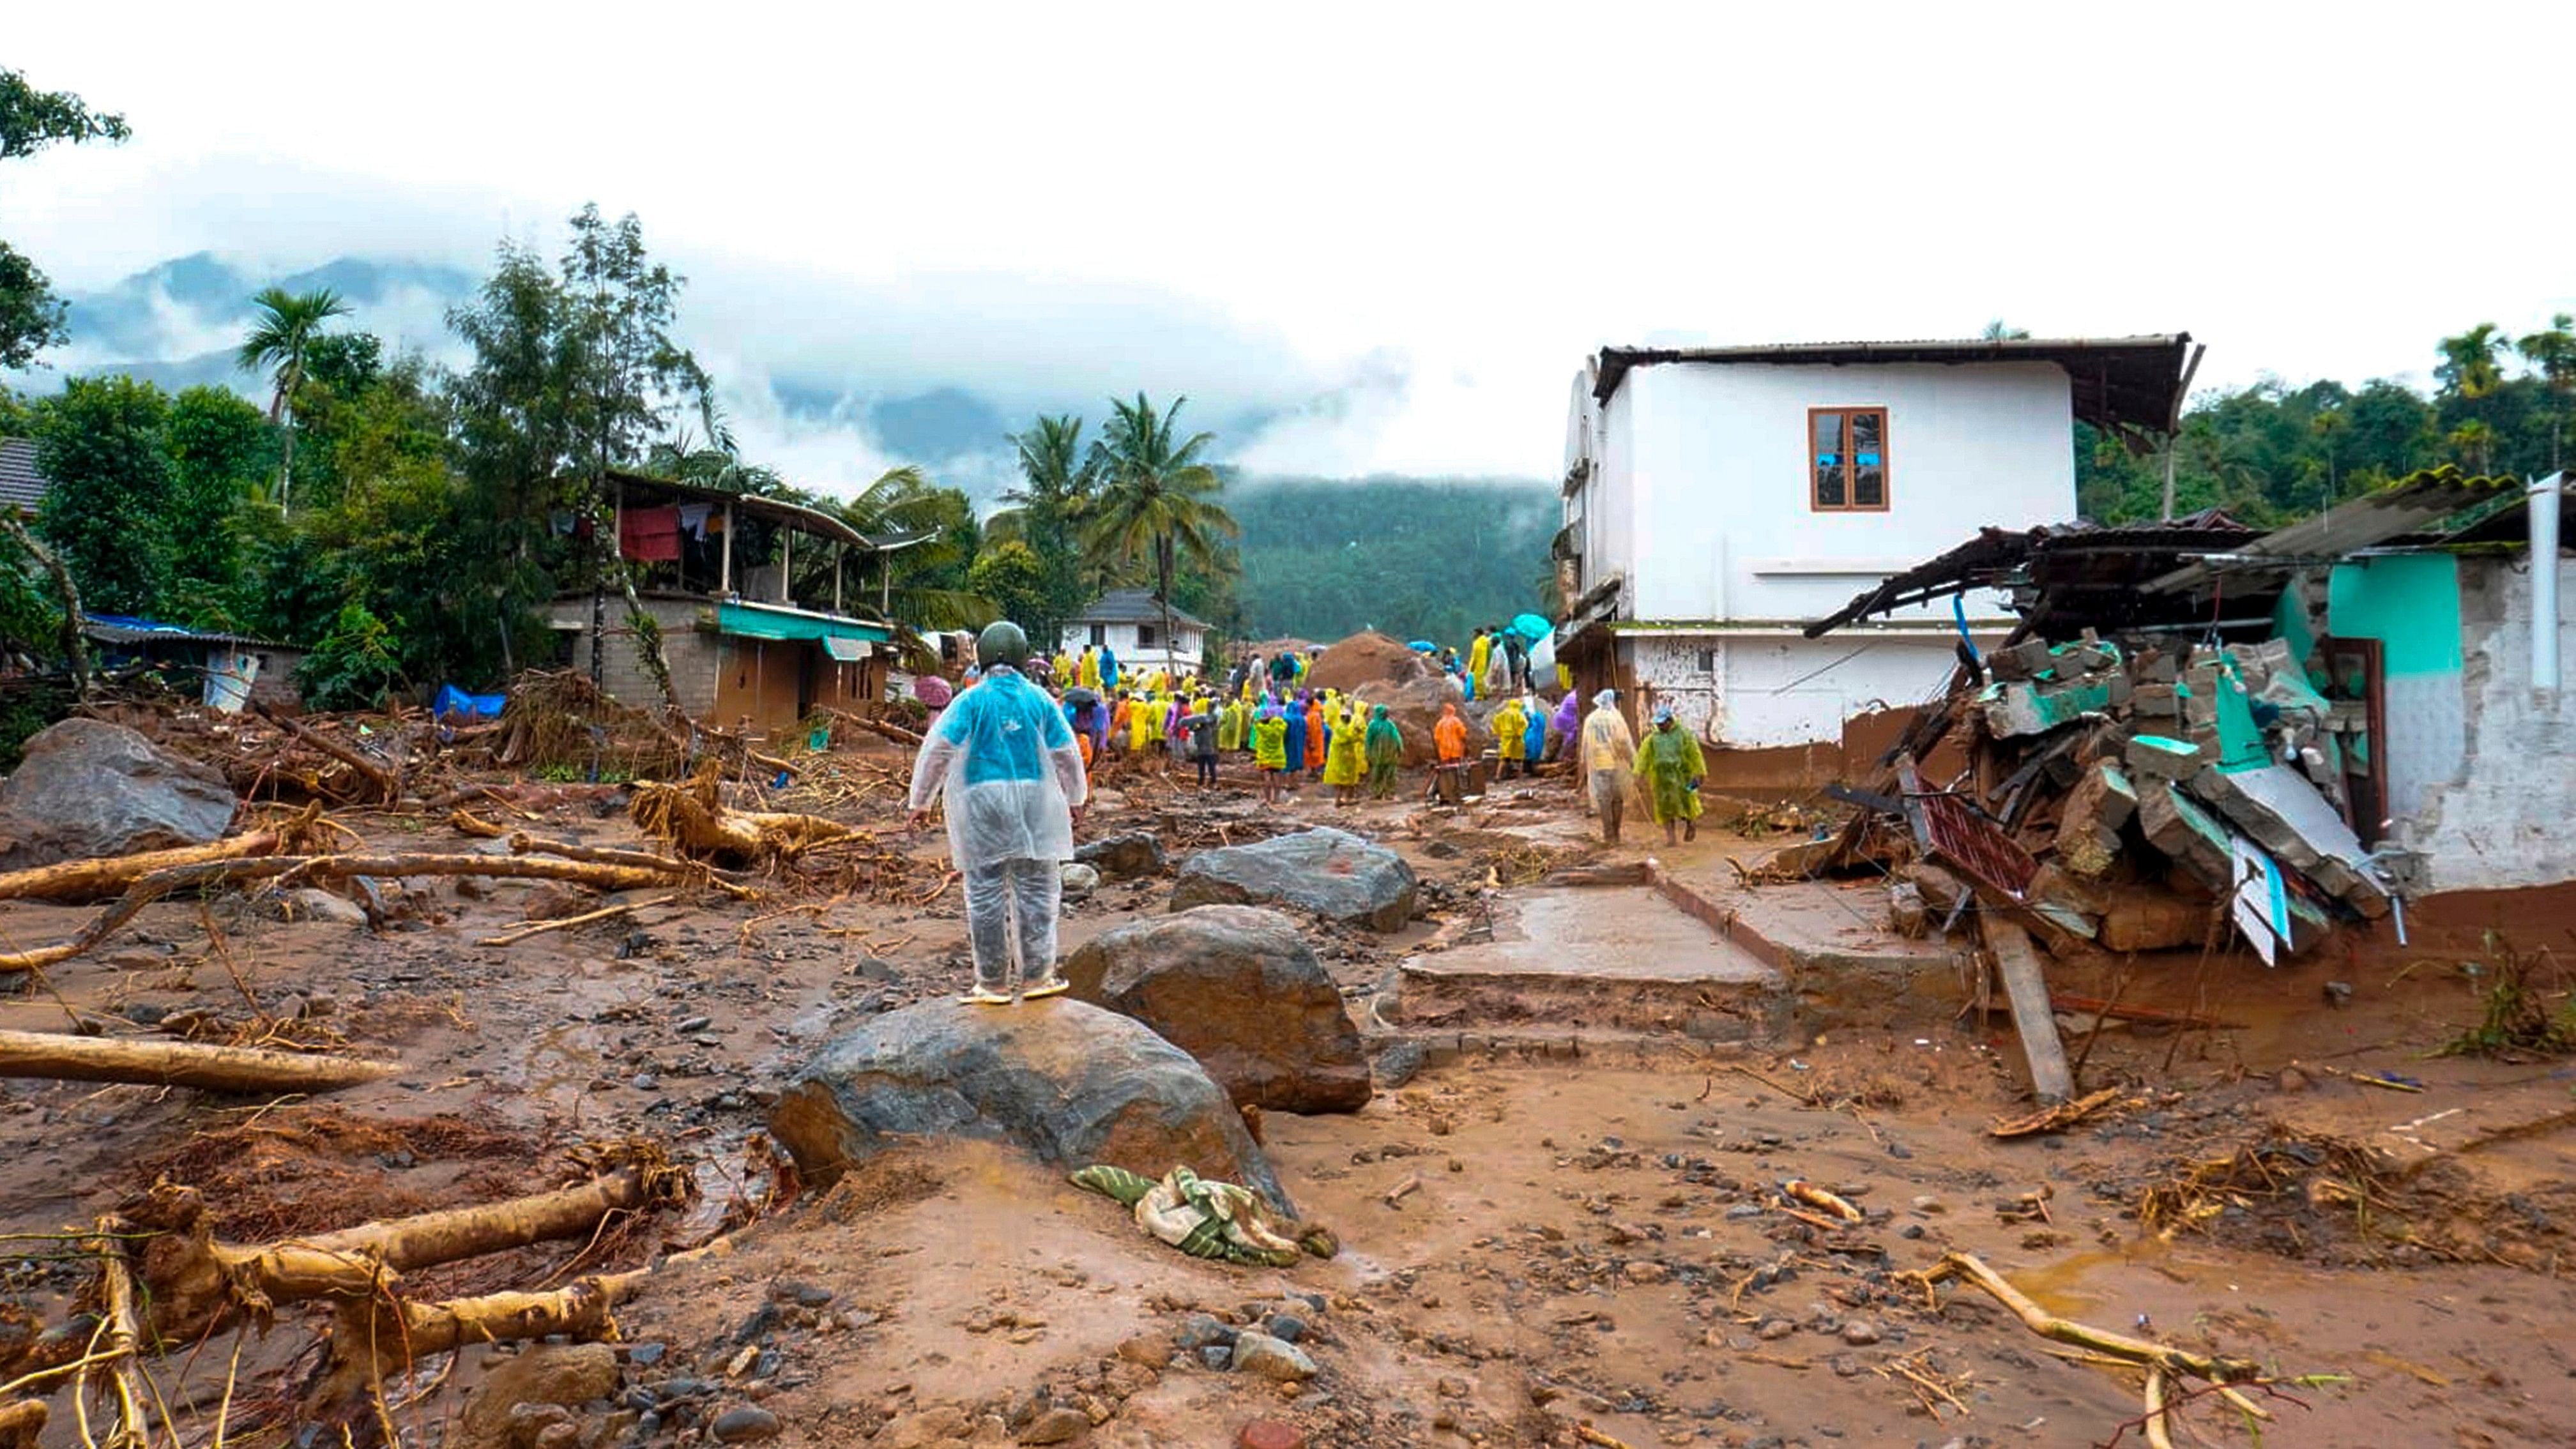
(2356, 673)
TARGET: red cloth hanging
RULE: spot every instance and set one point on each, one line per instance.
(649, 535)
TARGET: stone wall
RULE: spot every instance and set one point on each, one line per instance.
(2507, 816)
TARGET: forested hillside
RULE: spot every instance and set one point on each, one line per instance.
(1418, 558)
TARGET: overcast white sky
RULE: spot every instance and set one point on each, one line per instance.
(1428, 212)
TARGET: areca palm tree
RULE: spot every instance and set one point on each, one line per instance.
(281, 335)
(2553, 353)
(1057, 482)
(2469, 362)
(1156, 497)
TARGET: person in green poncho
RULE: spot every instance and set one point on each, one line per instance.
(1385, 753)
(1670, 761)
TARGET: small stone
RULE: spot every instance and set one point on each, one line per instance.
(1265, 1357)
(1775, 1329)
(1146, 1350)
(1217, 1356)
(645, 1355)
(646, 1082)
(1861, 1333)
(1200, 1330)
(1745, 1210)
(1285, 1327)
(1642, 1272)
(1927, 1203)
(1056, 1426)
(694, 1024)
(744, 1424)
(1910, 1232)
(2294, 1080)
(1270, 1434)
(1398, 1064)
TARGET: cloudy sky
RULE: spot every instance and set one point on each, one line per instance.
(1395, 228)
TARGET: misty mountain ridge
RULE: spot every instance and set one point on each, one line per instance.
(179, 322)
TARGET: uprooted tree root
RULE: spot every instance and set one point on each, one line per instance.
(165, 1282)
(690, 817)
(2323, 1199)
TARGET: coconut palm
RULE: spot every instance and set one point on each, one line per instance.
(902, 500)
(1057, 481)
(2552, 353)
(1156, 496)
(2468, 364)
(281, 335)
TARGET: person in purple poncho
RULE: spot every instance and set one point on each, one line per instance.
(1569, 718)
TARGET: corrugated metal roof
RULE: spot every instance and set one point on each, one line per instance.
(1133, 606)
(21, 486)
(2118, 382)
(2414, 503)
(127, 629)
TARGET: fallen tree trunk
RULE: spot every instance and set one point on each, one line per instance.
(376, 1338)
(80, 881)
(54, 1056)
(688, 817)
(894, 732)
(386, 779)
(199, 1283)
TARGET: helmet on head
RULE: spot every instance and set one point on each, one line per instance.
(1001, 643)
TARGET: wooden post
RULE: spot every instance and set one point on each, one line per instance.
(2027, 989)
(786, 561)
(838, 549)
(2173, 427)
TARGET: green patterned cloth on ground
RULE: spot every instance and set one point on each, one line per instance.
(1203, 1218)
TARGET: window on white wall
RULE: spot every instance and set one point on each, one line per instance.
(1099, 635)
(1144, 636)
(1708, 661)
(1847, 459)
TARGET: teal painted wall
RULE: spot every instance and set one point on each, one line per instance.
(2409, 602)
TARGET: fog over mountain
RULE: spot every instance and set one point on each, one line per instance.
(827, 380)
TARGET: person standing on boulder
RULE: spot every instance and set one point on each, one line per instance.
(1006, 761)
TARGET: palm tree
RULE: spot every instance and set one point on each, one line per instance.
(2328, 425)
(2474, 441)
(2553, 353)
(281, 335)
(902, 500)
(1155, 495)
(2469, 362)
(1057, 481)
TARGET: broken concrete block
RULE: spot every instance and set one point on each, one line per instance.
(2143, 921)
(2185, 833)
(2154, 701)
(2161, 757)
(2279, 810)
(2088, 828)
(2154, 666)
(1941, 890)
(1907, 914)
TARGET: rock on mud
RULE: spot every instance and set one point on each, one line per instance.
(1064, 1080)
(1123, 857)
(1333, 873)
(1237, 988)
(569, 1374)
(88, 788)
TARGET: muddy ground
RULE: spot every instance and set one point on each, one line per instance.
(1596, 1244)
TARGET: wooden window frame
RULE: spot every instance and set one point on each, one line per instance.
(1886, 472)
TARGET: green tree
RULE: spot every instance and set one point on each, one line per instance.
(2552, 353)
(1157, 498)
(2473, 442)
(219, 453)
(1058, 479)
(928, 583)
(284, 328)
(108, 511)
(1998, 331)
(1010, 576)
(31, 316)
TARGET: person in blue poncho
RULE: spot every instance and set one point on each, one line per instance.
(1005, 759)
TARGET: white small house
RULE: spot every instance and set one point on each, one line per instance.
(1717, 498)
(1129, 622)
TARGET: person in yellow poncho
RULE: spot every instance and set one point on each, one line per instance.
(1062, 664)
(1346, 758)
(1671, 768)
(1609, 762)
(1089, 668)
(1478, 655)
(1229, 727)
(1144, 716)
(1270, 751)
(1511, 737)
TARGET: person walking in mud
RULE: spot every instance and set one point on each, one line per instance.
(1609, 762)
(1005, 760)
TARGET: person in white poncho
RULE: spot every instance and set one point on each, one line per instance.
(1006, 762)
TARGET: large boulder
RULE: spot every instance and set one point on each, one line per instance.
(1064, 1080)
(88, 788)
(1123, 857)
(1238, 988)
(1332, 873)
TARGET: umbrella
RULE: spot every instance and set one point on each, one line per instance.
(1423, 646)
(1081, 695)
(1531, 626)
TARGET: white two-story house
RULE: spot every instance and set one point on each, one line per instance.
(1717, 498)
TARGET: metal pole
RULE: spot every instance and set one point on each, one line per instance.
(786, 561)
(724, 568)
(2543, 507)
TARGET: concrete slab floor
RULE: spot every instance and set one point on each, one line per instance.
(1615, 933)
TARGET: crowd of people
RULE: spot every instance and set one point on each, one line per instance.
(1012, 754)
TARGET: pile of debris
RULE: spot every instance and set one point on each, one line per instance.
(2120, 797)
(1367, 658)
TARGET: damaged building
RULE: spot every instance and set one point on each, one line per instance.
(2307, 726)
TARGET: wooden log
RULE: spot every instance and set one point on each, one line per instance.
(560, 923)
(2173, 1360)
(386, 779)
(894, 732)
(81, 881)
(22, 1423)
(198, 1284)
(376, 1338)
(2026, 987)
(57, 1057)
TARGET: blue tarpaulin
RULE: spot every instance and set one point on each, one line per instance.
(453, 703)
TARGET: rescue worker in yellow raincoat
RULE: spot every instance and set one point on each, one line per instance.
(1511, 737)
(1671, 766)
(1609, 762)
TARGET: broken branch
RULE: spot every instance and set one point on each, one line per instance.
(561, 923)
(179, 1064)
